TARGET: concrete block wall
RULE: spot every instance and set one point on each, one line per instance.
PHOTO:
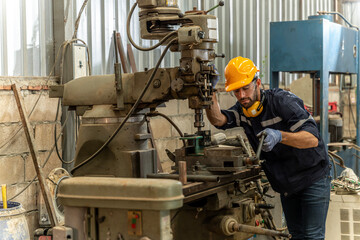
(166, 137)
(17, 169)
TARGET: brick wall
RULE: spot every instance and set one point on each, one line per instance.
(17, 169)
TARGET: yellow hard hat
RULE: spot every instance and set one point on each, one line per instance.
(239, 72)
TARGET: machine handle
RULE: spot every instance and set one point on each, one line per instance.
(261, 142)
(221, 3)
(220, 55)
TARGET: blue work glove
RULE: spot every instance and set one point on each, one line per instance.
(272, 138)
(214, 76)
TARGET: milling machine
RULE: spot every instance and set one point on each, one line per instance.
(110, 195)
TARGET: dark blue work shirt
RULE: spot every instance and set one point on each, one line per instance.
(288, 169)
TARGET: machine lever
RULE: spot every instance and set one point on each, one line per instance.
(220, 4)
(264, 206)
(261, 142)
(220, 55)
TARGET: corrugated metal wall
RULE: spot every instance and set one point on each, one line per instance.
(352, 12)
(243, 30)
(26, 37)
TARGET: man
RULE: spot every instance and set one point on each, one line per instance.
(296, 162)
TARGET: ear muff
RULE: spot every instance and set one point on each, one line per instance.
(256, 108)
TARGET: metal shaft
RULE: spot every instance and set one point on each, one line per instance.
(257, 230)
(258, 151)
(182, 172)
(199, 117)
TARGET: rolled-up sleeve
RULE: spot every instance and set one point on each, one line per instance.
(233, 118)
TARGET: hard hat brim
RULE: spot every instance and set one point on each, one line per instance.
(238, 84)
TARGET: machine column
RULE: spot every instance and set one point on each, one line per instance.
(274, 80)
(324, 101)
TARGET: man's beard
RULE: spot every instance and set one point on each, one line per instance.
(251, 101)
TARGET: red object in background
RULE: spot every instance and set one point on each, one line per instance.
(332, 107)
(45, 238)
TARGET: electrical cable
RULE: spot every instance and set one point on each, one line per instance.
(334, 165)
(154, 114)
(132, 110)
(57, 139)
(132, 41)
(175, 215)
(341, 160)
(77, 22)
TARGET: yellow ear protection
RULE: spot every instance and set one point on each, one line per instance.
(256, 108)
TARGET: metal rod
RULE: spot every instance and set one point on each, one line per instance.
(120, 48)
(33, 152)
(340, 15)
(221, 3)
(131, 58)
(242, 142)
(264, 205)
(182, 172)
(341, 160)
(258, 151)
(190, 178)
(257, 230)
(199, 119)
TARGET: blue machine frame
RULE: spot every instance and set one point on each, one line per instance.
(317, 46)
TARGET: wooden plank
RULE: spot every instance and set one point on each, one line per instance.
(120, 48)
(131, 58)
(33, 151)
